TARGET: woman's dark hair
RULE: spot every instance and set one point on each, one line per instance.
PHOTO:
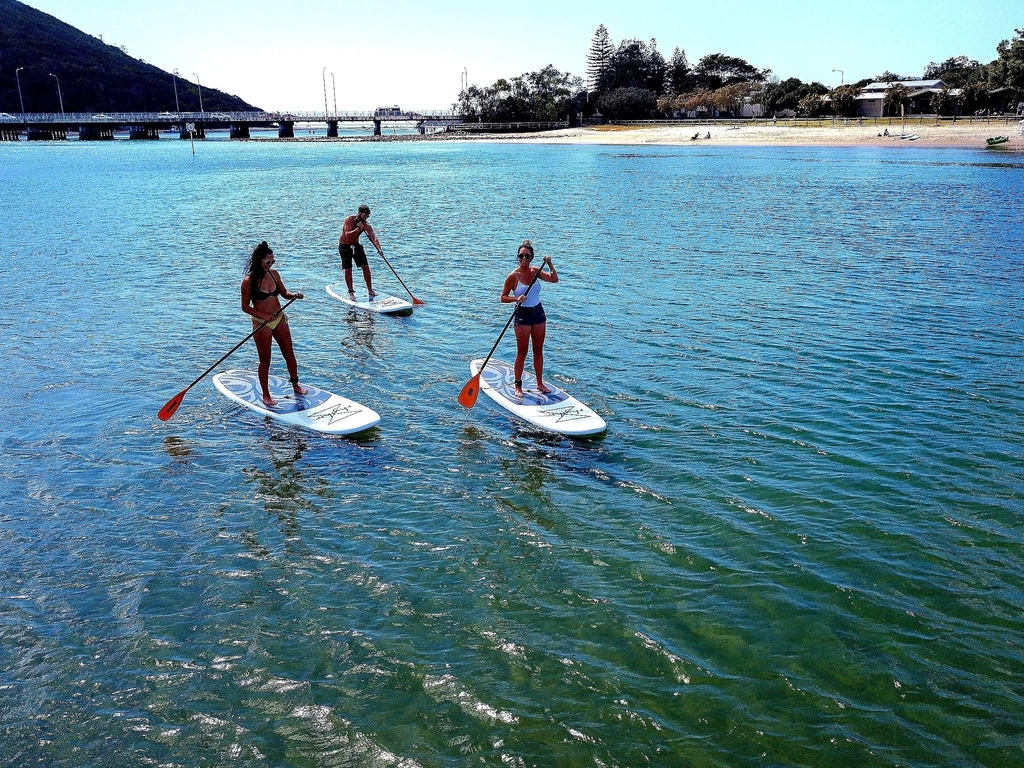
(527, 245)
(259, 253)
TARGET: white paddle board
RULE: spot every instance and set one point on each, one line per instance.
(318, 410)
(556, 411)
(381, 303)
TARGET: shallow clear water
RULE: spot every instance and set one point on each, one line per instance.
(799, 542)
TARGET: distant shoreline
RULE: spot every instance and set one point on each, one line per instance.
(963, 135)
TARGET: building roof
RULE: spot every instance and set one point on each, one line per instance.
(911, 84)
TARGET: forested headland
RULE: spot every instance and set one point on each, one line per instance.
(60, 64)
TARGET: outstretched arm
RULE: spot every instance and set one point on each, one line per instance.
(372, 237)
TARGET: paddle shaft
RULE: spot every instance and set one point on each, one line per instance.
(234, 349)
(414, 299)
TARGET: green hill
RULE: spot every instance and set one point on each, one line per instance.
(94, 76)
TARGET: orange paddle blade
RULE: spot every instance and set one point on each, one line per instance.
(467, 397)
(171, 406)
(418, 302)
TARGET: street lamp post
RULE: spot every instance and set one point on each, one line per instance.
(200, 86)
(174, 79)
(59, 96)
(22, 100)
(324, 73)
(840, 76)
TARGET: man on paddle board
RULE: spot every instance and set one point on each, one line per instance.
(349, 248)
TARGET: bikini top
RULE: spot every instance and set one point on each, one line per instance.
(260, 295)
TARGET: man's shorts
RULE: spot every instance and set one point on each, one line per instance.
(346, 253)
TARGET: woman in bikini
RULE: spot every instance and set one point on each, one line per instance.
(530, 322)
(260, 289)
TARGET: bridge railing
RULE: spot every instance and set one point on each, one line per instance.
(126, 118)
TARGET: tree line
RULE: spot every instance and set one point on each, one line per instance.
(633, 80)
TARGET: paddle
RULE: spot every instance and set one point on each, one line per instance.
(415, 301)
(467, 397)
(171, 407)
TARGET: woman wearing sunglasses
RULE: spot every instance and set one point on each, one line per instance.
(522, 289)
(260, 288)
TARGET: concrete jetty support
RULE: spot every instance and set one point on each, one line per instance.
(286, 129)
(47, 133)
(95, 132)
(332, 129)
(376, 127)
(238, 131)
(143, 132)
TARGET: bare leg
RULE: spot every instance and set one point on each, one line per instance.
(283, 335)
(348, 280)
(262, 339)
(522, 346)
(369, 283)
(537, 335)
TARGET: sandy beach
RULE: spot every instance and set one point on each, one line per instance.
(962, 134)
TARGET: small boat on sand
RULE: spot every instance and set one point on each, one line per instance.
(992, 141)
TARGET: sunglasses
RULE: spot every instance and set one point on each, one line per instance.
(526, 256)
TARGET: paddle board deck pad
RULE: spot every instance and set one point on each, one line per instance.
(556, 411)
(318, 410)
(381, 303)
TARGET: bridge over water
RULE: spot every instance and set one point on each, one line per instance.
(50, 126)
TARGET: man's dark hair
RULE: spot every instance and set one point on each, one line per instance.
(364, 209)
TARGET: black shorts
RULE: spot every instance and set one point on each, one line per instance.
(531, 315)
(347, 252)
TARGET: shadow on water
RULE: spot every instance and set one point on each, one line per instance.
(178, 449)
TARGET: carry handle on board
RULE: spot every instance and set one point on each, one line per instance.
(171, 406)
(468, 395)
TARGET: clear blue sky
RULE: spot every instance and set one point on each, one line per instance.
(412, 53)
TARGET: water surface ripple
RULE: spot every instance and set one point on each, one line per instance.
(799, 542)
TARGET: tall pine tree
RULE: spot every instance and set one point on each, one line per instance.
(599, 60)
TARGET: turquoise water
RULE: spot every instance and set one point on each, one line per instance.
(799, 542)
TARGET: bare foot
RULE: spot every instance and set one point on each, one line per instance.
(373, 293)
(352, 294)
(300, 390)
(269, 401)
(519, 391)
(543, 388)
